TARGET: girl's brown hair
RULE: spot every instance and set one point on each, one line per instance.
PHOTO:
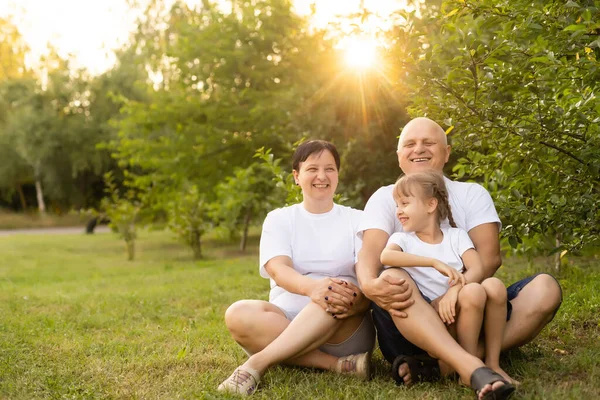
(430, 184)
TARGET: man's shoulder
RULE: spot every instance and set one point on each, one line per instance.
(463, 188)
(384, 192)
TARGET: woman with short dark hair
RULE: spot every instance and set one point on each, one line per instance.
(316, 315)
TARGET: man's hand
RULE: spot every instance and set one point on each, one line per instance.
(390, 293)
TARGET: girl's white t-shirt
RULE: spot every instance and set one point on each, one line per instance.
(320, 245)
(431, 282)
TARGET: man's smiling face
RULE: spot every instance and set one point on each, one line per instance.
(422, 147)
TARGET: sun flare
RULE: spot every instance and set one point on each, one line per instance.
(360, 53)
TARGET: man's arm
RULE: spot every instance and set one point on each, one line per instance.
(486, 241)
(387, 292)
(368, 266)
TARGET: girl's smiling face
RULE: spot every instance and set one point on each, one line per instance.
(414, 211)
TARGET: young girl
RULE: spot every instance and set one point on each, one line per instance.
(435, 256)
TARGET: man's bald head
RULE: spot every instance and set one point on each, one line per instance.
(422, 146)
(426, 125)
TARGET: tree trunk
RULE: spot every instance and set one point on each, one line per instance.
(40, 196)
(557, 255)
(244, 240)
(130, 249)
(196, 246)
(22, 196)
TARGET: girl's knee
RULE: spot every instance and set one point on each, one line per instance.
(495, 290)
(472, 295)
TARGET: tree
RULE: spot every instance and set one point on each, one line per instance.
(244, 197)
(188, 217)
(516, 84)
(228, 83)
(12, 51)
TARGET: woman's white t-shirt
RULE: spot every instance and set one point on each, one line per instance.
(431, 282)
(320, 245)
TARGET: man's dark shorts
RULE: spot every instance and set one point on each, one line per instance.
(393, 344)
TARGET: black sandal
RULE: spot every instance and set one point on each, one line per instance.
(422, 368)
(484, 376)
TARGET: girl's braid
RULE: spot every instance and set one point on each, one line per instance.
(441, 193)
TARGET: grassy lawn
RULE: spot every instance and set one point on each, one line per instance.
(79, 321)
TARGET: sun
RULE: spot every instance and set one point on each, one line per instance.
(360, 52)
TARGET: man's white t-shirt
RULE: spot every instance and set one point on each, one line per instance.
(454, 244)
(320, 245)
(470, 203)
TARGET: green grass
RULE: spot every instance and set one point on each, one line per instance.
(79, 321)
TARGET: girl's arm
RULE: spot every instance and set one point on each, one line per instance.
(473, 265)
(393, 256)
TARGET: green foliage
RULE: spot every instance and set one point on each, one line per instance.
(122, 212)
(227, 83)
(188, 217)
(518, 82)
(286, 190)
(12, 51)
(243, 198)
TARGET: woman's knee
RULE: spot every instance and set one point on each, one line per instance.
(472, 296)
(239, 315)
(495, 290)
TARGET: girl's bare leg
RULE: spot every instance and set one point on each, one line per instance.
(494, 324)
(471, 304)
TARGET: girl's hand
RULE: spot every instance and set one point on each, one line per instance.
(454, 277)
(327, 294)
(447, 305)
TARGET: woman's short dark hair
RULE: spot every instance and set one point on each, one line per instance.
(311, 147)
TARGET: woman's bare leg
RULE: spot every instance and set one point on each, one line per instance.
(263, 330)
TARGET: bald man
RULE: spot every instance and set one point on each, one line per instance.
(407, 326)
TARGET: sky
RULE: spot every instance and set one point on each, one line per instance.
(90, 29)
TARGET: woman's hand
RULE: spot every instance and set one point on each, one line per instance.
(357, 303)
(331, 296)
(447, 305)
(454, 277)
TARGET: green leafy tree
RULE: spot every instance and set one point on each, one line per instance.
(189, 218)
(516, 83)
(224, 85)
(243, 198)
(123, 212)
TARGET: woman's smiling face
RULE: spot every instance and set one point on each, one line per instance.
(318, 176)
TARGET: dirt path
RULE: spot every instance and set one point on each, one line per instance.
(52, 231)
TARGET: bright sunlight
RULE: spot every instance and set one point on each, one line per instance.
(360, 52)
